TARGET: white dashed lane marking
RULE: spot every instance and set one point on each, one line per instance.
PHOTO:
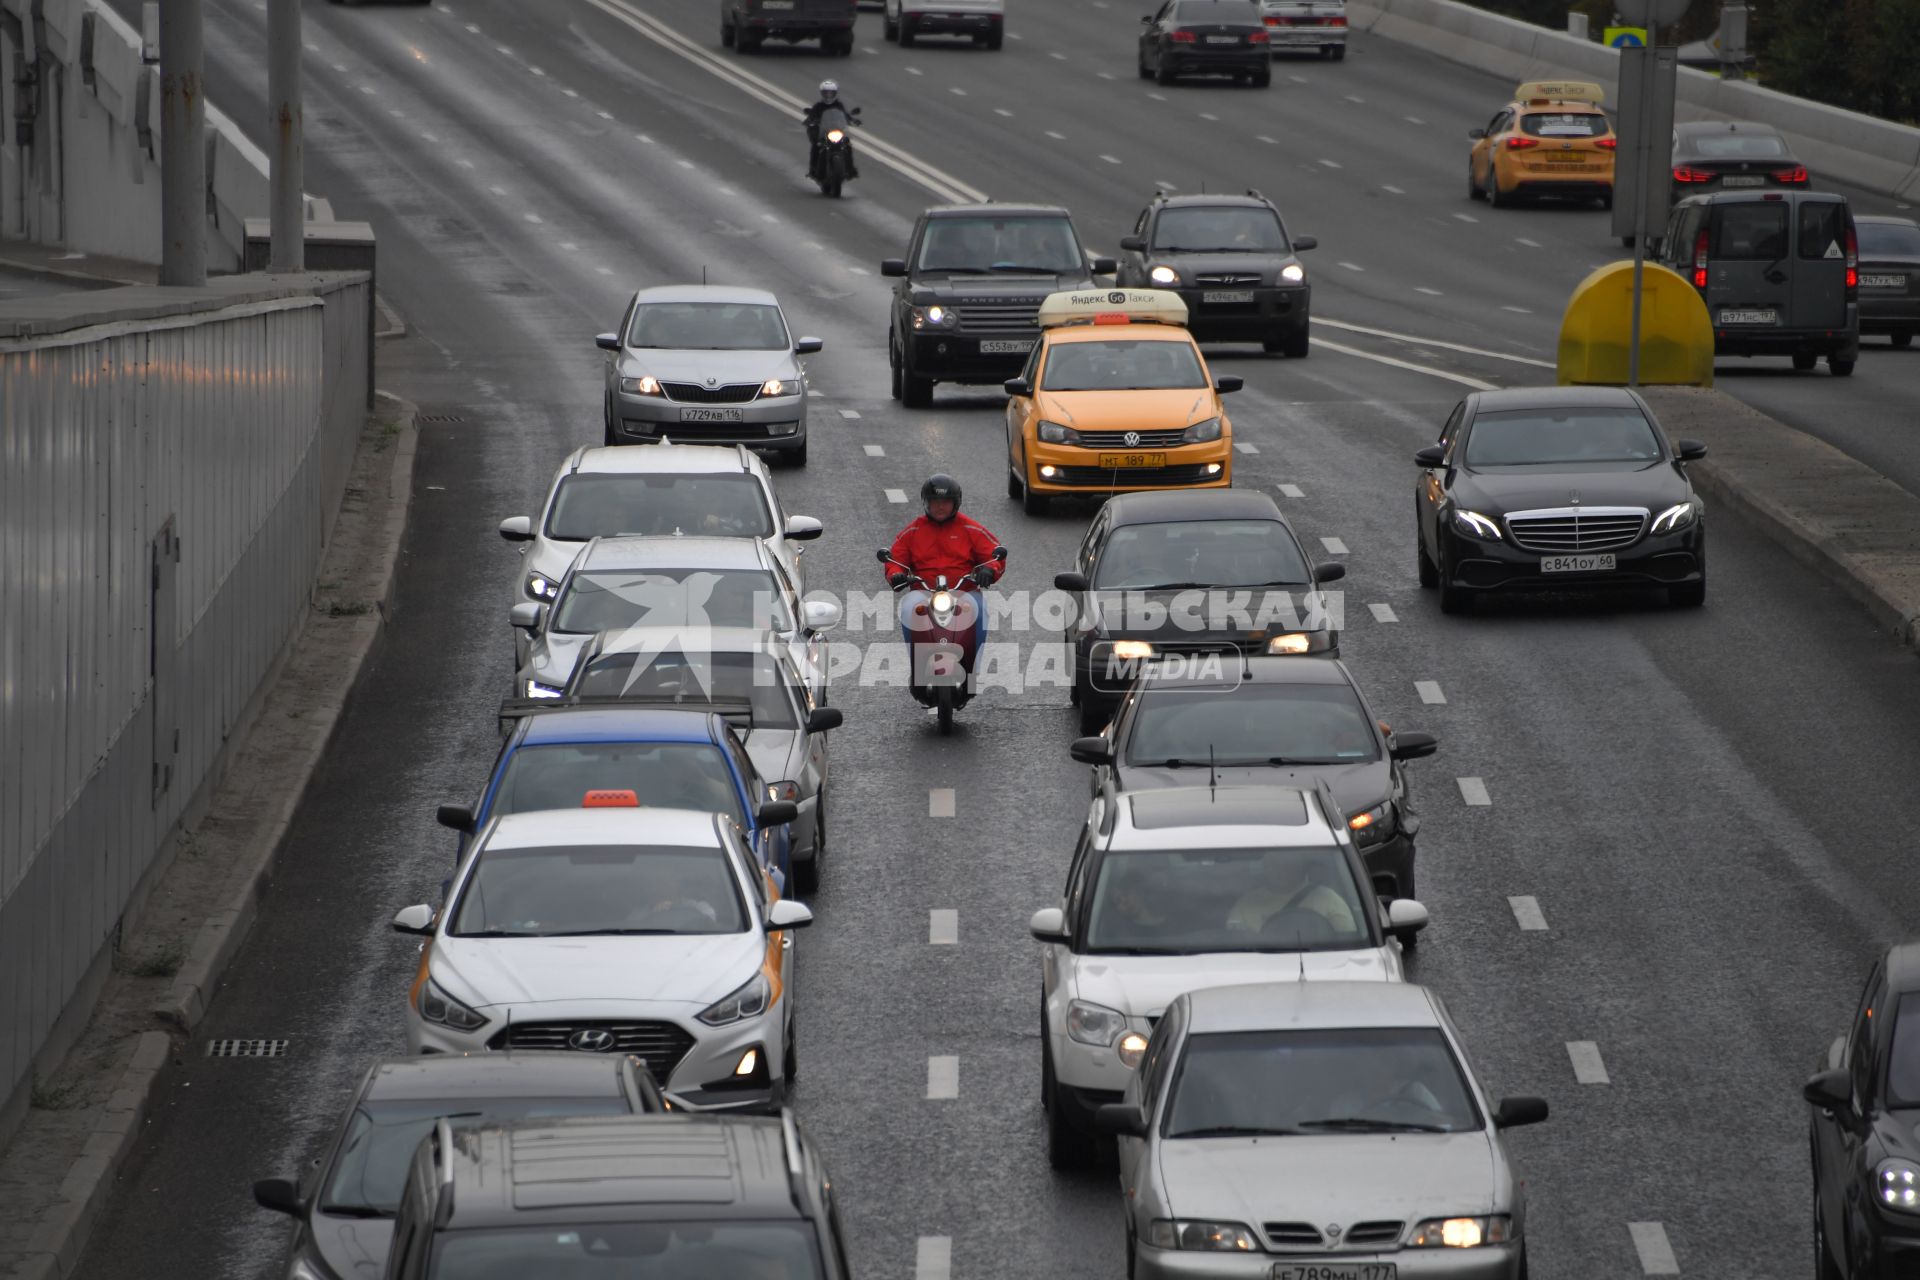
(1352, 98)
(1413, 120)
(1291, 491)
(849, 413)
(1208, 115)
(1474, 791)
(1527, 913)
(1334, 546)
(1656, 1254)
(874, 451)
(940, 802)
(957, 91)
(1002, 111)
(1519, 311)
(897, 495)
(1057, 57)
(1111, 159)
(1466, 217)
(1244, 447)
(1431, 293)
(1587, 1066)
(1353, 266)
(815, 393)
(1272, 142)
(933, 1255)
(1383, 613)
(533, 217)
(943, 927)
(915, 71)
(1392, 190)
(1531, 244)
(943, 1077)
(1057, 137)
(1429, 691)
(569, 246)
(1332, 164)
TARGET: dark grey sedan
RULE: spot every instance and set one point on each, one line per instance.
(1889, 277)
(1732, 155)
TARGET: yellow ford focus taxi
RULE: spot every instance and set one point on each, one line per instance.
(1115, 398)
(1551, 140)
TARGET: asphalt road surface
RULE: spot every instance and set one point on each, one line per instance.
(1703, 805)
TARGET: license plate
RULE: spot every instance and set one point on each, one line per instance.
(1227, 295)
(1577, 564)
(1223, 39)
(712, 415)
(1753, 315)
(1883, 282)
(1121, 461)
(1743, 180)
(776, 4)
(1005, 347)
(1333, 1271)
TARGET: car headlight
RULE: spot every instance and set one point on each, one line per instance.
(1293, 272)
(1461, 1233)
(780, 387)
(541, 587)
(647, 385)
(1054, 433)
(435, 1005)
(1201, 432)
(1128, 650)
(537, 690)
(1293, 642)
(1205, 1237)
(783, 791)
(749, 1001)
(934, 317)
(1371, 826)
(1475, 525)
(1897, 1185)
(1094, 1024)
(1164, 275)
(1674, 518)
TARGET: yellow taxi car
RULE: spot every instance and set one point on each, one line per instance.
(1551, 140)
(1115, 398)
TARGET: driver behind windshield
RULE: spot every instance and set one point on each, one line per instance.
(1293, 894)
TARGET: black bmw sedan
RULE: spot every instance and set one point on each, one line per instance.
(1558, 488)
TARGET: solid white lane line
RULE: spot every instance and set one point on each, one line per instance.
(1474, 791)
(1244, 447)
(1587, 1066)
(1433, 342)
(849, 413)
(896, 495)
(1334, 546)
(1332, 164)
(1527, 913)
(874, 451)
(1429, 691)
(1431, 293)
(943, 927)
(943, 1077)
(1383, 613)
(1353, 266)
(1466, 217)
(940, 802)
(1408, 365)
(933, 1255)
(1656, 1254)
(1291, 491)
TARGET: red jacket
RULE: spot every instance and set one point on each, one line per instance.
(953, 548)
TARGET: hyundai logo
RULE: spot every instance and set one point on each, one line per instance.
(591, 1040)
(1132, 438)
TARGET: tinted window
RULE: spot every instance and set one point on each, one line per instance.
(611, 600)
(671, 775)
(708, 326)
(1887, 239)
(1568, 124)
(1823, 230)
(597, 506)
(1121, 365)
(1252, 724)
(1749, 232)
(1535, 437)
(600, 889)
(1193, 901)
(1219, 11)
(632, 1251)
(1210, 552)
(1219, 229)
(1735, 146)
(1903, 1065)
(1371, 1079)
(758, 679)
(1003, 244)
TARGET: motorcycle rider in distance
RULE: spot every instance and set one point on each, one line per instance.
(944, 543)
(829, 101)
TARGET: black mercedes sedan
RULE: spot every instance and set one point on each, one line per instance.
(1866, 1157)
(1556, 489)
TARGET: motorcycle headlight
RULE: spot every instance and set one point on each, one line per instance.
(749, 1001)
(1371, 826)
(1054, 433)
(1475, 525)
(1897, 1185)
(1293, 642)
(647, 385)
(779, 387)
(934, 317)
(537, 690)
(1674, 518)
(836, 135)
(1094, 1024)
(1164, 275)
(1461, 1233)
(1293, 273)
(1204, 1237)
(435, 1005)
(541, 587)
(942, 602)
(1132, 650)
(1201, 432)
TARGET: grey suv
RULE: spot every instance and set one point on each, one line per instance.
(1232, 262)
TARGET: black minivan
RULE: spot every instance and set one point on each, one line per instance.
(1779, 271)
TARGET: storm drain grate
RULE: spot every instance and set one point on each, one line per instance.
(441, 417)
(246, 1048)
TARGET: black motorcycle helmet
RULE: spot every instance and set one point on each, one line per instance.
(940, 486)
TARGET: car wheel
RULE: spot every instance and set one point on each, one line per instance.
(1035, 504)
(1146, 73)
(889, 29)
(915, 392)
(790, 1060)
(1840, 367)
(1494, 195)
(906, 31)
(1805, 360)
(993, 41)
(1903, 339)
(726, 34)
(1016, 487)
(1163, 74)
(1339, 53)
(1133, 1255)
(606, 421)
(1474, 190)
(1688, 595)
(1297, 344)
(1261, 79)
(795, 457)
(1067, 1147)
(1429, 574)
(893, 369)
(748, 41)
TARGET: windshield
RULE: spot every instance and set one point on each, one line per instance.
(1889, 239)
(1536, 437)
(1564, 124)
(666, 775)
(705, 1250)
(1303, 724)
(1223, 553)
(757, 679)
(1734, 146)
(1128, 364)
(612, 600)
(1187, 902)
(1219, 229)
(574, 891)
(1361, 1079)
(597, 506)
(370, 1175)
(1045, 243)
(708, 326)
(1903, 1064)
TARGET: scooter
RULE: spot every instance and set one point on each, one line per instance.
(944, 629)
(833, 152)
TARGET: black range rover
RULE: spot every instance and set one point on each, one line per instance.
(966, 308)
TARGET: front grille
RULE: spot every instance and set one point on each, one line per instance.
(1014, 319)
(1570, 530)
(1362, 1234)
(694, 393)
(700, 430)
(1282, 1235)
(662, 1044)
(1118, 439)
(1227, 277)
(1130, 477)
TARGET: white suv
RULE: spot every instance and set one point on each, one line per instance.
(1170, 891)
(693, 489)
(615, 930)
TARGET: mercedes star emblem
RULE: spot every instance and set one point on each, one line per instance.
(1132, 438)
(591, 1040)
(1573, 497)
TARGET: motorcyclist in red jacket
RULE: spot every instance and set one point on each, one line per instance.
(945, 543)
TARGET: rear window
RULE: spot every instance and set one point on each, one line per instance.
(1750, 232)
(1545, 124)
(1735, 146)
(1220, 11)
(1888, 239)
(1823, 229)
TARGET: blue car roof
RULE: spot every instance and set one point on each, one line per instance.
(618, 726)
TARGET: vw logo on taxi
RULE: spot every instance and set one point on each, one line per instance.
(591, 1040)
(1132, 438)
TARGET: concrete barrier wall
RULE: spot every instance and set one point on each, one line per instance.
(1842, 145)
(171, 461)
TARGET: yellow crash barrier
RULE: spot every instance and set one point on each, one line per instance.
(1676, 333)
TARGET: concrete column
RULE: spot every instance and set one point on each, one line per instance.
(287, 251)
(183, 146)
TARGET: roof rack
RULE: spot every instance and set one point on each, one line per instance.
(790, 1146)
(740, 451)
(443, 1192)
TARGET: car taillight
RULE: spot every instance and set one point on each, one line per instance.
(1794, 176)
(1607, 144)
(1683, 174)
(1700, 261)
(1853, 260)
(1336, 22)
(1181, 37)
(1272, 21)
(1257, 37)
(1521, 144)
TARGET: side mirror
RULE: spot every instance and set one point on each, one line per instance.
(1514, 1112)
(455, 816)
(999, 553)
(1431, 456)
(1069, 582)
(807, 346)
(1094, 750)
(1476, 134)
(1146, 18)
(1690, 450)
(1228, 382)
(1303, 243)
(803, 528)
(607, 341)
(775, 812)
(1017, 387)
(1049, 924)
(1104, 266)
(1413, 746)
(279, 1195)
(788, 914)
(415, 919)
(1332, 571)
(1830, 1090)
(893, 266)
(527, 616)
(1121, 1119)
(1405, 917)
(1134, 244)
(822, 719)
(818, 615)
(517, 528)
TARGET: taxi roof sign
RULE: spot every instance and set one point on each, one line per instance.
(1113, 306)
(1541, 92)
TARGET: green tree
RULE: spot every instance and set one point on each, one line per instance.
(1892, 61)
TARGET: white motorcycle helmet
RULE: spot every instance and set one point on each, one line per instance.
(829, 91)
